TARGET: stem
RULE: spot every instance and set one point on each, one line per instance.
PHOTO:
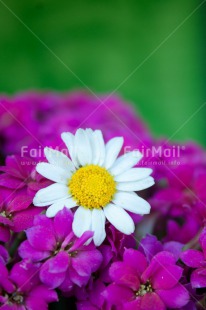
(18, 239)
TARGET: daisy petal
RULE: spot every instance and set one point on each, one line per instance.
(83, 147)
(55, 208)
(82, 221)
(98, 226)
(95, 148)
(135, 186)
(125, 162)
(50, 194)
(131, 202)
(70, 203)
(59, 159)
(99, 148)
(89, 133)
(53, 173)
(133, 174)
(68, 139)
(119, 218)
(113, 147)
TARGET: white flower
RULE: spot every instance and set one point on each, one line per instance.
(95, 180)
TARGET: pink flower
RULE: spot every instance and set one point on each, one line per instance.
(46, 113)
(66, 260)
(179, 196)
(18, 185)
(150, 246)
(20, 289)
(197, 260)
(91, 297)
(112, 250)
(138, 284)
(19, 175)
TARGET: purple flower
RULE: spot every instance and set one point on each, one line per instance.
(21, 289)
(65, 259)
(20, 174)
(18, 185)
(91, 295)
(174, 159)
(179, 196)
(46, 113)
(138, 284)
(197, 260)
(150, 246)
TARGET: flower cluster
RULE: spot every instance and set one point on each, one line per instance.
(98, 226)
(49, 113)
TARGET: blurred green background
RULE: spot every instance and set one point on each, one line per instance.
(102, 42)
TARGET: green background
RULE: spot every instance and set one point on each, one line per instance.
(102, 42)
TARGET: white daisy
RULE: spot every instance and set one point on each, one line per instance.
(95, 180)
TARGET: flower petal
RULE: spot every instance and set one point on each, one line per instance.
(22, 272)
(83, 147)
(63, 223)
(53, 173)
(24, 219)
(94, 145)
(99, 148)
(87, 262)
(152, 301)
(59, 159)
(131, 257)
(44, 296)
(133, 174)
(131, 202)
(117, 294)
(166, 277)
(55, 208)
(124, 274)
(82, 221)
(98, 226)
(113, 147)
(53, 271)
(125, 162)
(192, 258)
(68, 139)
(82, 241)
(119, 218)
(49, 195)
(59, 205)
(90, 135)
(131, 305)
(9, 181)
(76, 278)
(136, 186)
(70, 203)
(67, 284)
(198, 278)
(176, 297)
(162, 271)
(37, 233)
(26, 251)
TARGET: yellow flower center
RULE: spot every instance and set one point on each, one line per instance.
(92, 187)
